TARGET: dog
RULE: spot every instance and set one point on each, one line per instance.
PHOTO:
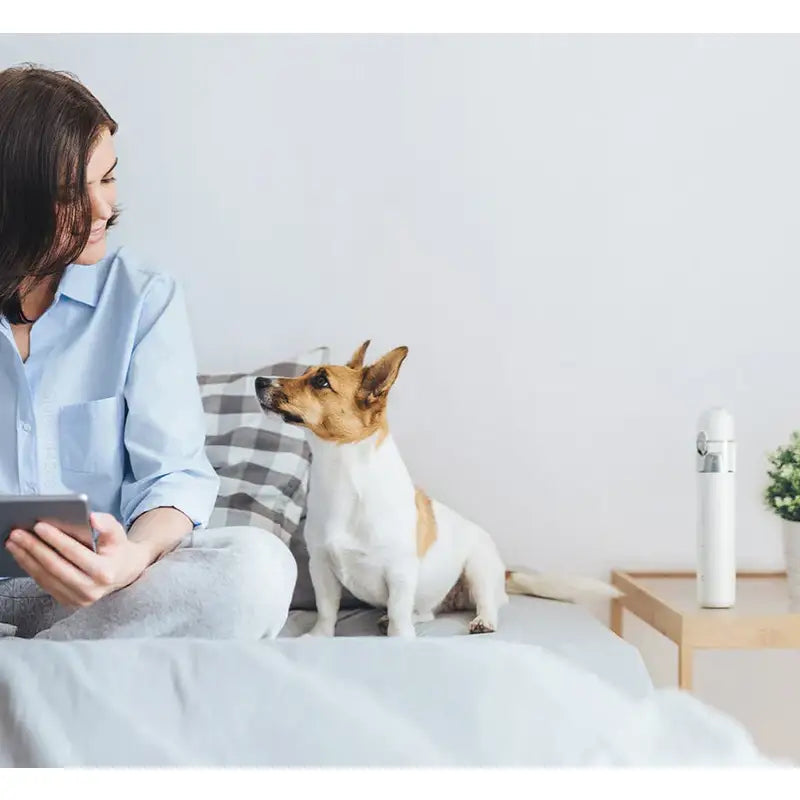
(370, 529)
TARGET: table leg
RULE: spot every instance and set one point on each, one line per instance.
(616, 616)
(685, 667)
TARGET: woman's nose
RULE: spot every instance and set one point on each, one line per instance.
(101, 207)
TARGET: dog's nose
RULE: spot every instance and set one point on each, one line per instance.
(262, 383)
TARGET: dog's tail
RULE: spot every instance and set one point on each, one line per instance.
(570, 588)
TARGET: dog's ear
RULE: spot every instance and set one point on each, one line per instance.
(357, 360)
(377, 379)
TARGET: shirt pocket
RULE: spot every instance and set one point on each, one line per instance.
(91, 435)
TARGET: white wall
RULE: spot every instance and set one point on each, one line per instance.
(583, 240)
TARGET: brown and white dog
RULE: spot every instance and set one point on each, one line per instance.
(369, 529)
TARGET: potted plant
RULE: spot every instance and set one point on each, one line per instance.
(782, 496)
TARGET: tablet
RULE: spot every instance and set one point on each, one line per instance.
(69, 513)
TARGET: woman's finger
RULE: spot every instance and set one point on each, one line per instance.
(53, 563)
(73, 551)
(43, 579)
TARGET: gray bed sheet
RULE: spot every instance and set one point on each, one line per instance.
(458, 701)
(563, 628)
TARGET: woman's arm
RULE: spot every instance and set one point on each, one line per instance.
(165, 425)
(159, 531)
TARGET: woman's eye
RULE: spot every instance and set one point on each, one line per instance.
(320, 382)
(109, 180)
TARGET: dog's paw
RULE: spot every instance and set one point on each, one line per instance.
(383, 625)
(401, 631)
(480, 625)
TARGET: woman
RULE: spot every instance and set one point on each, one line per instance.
(98, 394)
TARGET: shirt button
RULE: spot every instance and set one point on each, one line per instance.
(26, 427)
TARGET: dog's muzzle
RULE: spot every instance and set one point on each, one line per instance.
(262, 391)
(271, 398)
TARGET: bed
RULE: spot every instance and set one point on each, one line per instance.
(552, 688)
(563, 628)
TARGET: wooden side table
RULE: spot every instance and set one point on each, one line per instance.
(667, 601)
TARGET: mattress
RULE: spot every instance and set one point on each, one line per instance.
(569, 630)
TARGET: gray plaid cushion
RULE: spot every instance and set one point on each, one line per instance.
(263, 463)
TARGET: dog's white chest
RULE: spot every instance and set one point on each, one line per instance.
(358, 569)
(360, 551)
(360, 518)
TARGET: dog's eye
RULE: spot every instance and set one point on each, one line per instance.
(320, 381)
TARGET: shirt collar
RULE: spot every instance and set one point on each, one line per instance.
(82, 283)
(79, 282)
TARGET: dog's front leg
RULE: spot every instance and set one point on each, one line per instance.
(327, 592)
(401, 581)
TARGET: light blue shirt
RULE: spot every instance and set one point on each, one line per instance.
(107, 403)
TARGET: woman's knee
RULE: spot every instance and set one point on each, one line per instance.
(262, 574)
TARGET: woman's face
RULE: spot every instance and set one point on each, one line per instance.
(101, 186)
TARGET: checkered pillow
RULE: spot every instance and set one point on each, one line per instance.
(262, 462)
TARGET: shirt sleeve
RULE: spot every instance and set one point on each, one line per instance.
(165, 425)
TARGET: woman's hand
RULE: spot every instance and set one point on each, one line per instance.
(71, 572)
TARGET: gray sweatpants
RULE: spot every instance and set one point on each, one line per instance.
(229, 583)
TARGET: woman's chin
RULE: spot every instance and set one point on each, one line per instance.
(92, 253)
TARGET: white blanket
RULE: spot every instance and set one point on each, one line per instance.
(338, 702)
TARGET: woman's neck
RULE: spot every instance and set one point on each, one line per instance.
(37, 298)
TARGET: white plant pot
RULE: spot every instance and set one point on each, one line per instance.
(791, 551)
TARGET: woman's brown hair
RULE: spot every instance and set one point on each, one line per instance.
(49, 124)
